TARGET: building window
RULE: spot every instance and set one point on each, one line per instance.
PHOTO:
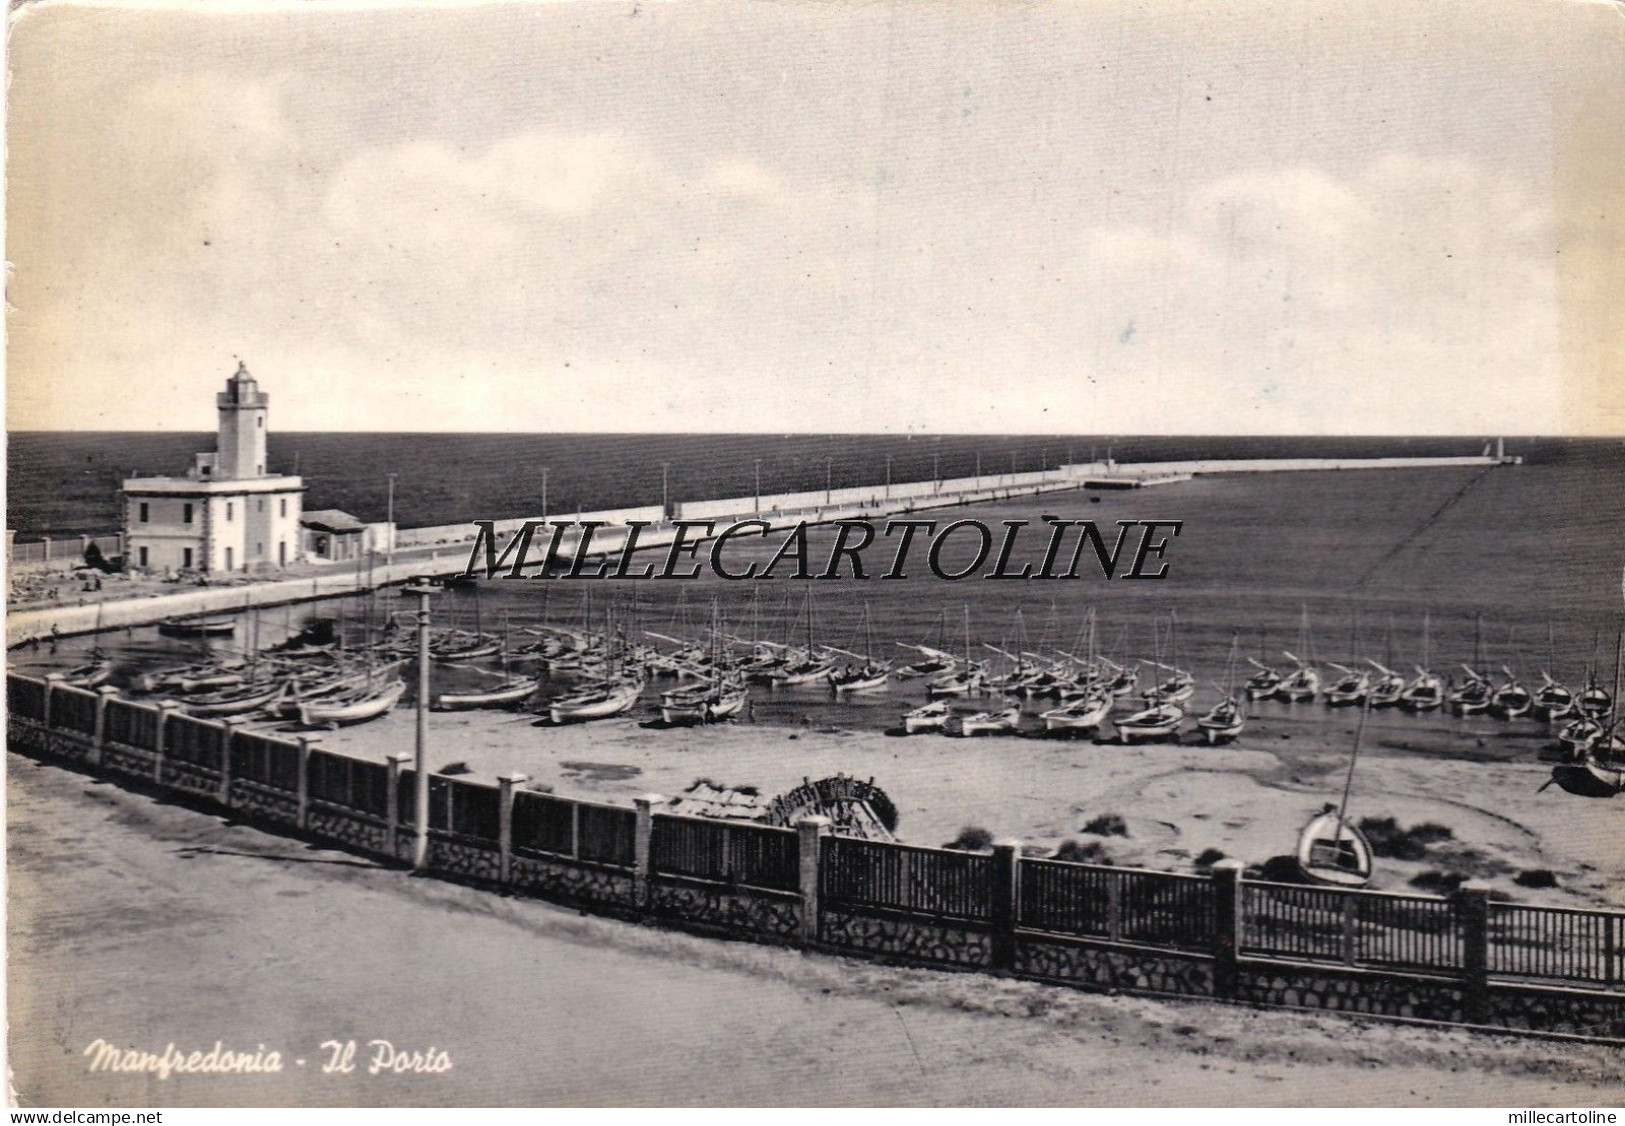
(186, 518)
(143, 553)
(186, 555)
(259, 471)
(228, 510)
(259, 549)
(284, 506)
(262, 422)
(144, 513)
(262, 504)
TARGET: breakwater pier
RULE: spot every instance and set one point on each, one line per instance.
(443, 550)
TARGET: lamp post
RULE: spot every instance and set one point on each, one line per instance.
(888, 476)
(423, 587)
(829, 476)
(936, 473)
(665, 491)
(389, 554)
(544, 493)
(978, 471)
(758, 486)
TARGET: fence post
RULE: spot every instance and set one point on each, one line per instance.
(642, 834)
(505, 788)
(1114, 906)
(304, 783)
(1226, 927)
(810, 833)
(53, 681)
(1005, 887)
(393, 813)
(99, 738)
(166, 708)
(1472, 901)
(228, 729)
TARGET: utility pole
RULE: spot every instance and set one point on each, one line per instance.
(758, 486)
(544, 492)
(978, 471)
(423, 587)
(829, 476)
(888, 476)
(665, 490)
(389, 556)
(936, 473)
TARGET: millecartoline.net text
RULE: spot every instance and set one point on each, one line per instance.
(1053, 547)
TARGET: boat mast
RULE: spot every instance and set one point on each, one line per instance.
(1354, 755)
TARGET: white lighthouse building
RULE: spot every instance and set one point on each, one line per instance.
(227, 514)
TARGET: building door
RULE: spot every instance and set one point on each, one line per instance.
(228, 558)
(281, 553)
(186, 558)
(143, 558)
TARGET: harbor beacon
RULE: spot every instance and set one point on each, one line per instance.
(227, 514)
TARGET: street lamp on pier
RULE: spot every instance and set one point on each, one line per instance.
(544, 492)
(665, 489)
(422, 586)
(758, 485)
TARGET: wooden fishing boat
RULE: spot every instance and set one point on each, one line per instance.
(1472, 696)
(1387, 689)
(1302, 683)
(507, 694)
(198, 627)
(1158, 721)
(92, 675)
(1553, 702)
(1577, 737)
(710, 704)
(1423, 694)
(235, 701)
(1331, 848)
(1511, 700)
(1125, 678)
(356, 706)
(1595, 700)
(1265, 681)
(466, 648)
(934, 661)
(993, 721)
(1223, 722)
(971, 679)
(607, 700)
(928, 717)
(1349, 689)
(1081, 715)
(871, 676)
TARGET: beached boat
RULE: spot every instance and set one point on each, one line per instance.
(961, 682)
(1223, 722)
(1553, 702)
(1349, 689)
(934, 661)
(1426, 692)
(1511, 700)
(355, 706)
(1595, 700)
(92, 675)
(1472, 696)
(992, 721)
(1302, 683)
(927, 717)
(508, 693)
(870, 676)
(601, 702)
(234, 701)
(461, 646)
(1387, 689)
(1081, 715)
(1331, 848)
(711, 703)
(1158, 721)
(1265, 681)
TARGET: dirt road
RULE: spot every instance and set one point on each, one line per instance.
(142, 923)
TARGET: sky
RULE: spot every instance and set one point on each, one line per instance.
(1239, 217)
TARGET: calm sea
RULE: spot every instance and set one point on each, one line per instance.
(1496, 560)
(67, 483)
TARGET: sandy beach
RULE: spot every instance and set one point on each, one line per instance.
(184, 927)
(1477, 778)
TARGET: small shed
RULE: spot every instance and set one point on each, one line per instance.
(332, 535)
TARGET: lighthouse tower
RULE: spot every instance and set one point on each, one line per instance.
(227, 514)
(241, 450)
